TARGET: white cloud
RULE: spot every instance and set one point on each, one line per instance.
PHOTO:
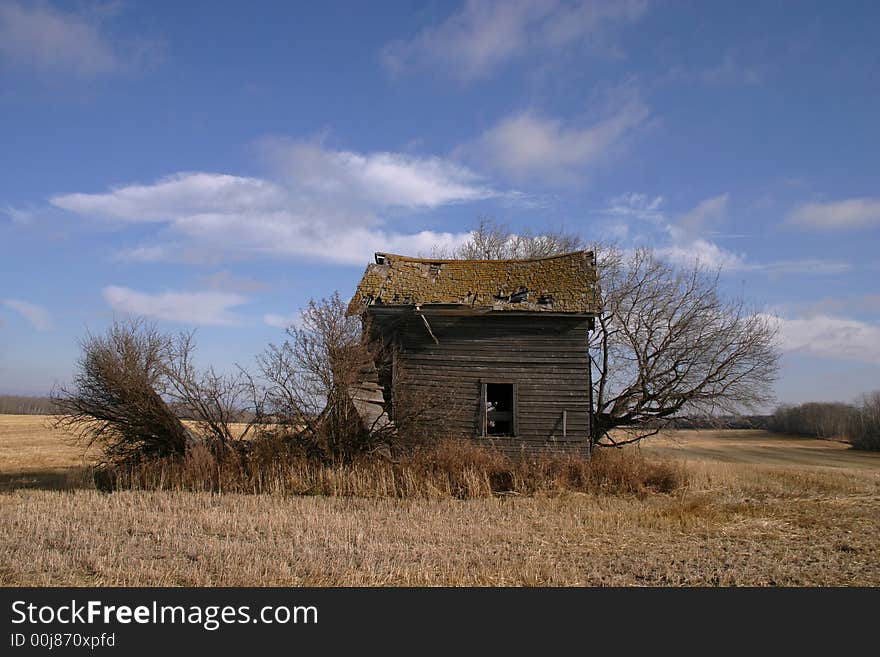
(642, 218)
(181, 194)
(381, 179)
(37, 36)
(17, 215)
(290, 235)
(211, 308)
(706, 215)
(282, 321)
(831, 337)
(862, 303)
(687, 252)
(37, 316)
(731, 71)
(325, 206)
(527, 146)
(146, 253)
(637, 206)
(684, 241)
(689, 244)
(802, 266)
(838, 215)
(486, 34)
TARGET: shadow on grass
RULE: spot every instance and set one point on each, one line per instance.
(51, 479)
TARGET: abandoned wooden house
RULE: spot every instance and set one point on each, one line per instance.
(500, 344)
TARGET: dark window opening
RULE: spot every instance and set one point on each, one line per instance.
(500, 409)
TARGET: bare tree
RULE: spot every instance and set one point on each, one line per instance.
(224, 408)
(666, 344)
(115, 403)
(827, 420)
(859, 423)
(867, 433)
(310, 378)
(493, 241)
(330, 385)
(20, 405)
(133, 386)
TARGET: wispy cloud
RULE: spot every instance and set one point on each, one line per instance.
(323, 204)
(37, 36)
(863, 304)
(637, 206)
(686, 238)
(186, 193)
(687, 252)
(731, 71)
(838, 215)
(146, 253)
(381, 179)
(689, 242)
(195, 308)
(527, 146)
(706, 216)
(282, 321)
(485, 34)
(737, 68)
(832, 337)
(18, 215)
(800, 266)
(229, 282)
(37, 316)
(682, 240)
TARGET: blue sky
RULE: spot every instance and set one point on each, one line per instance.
(214, 165)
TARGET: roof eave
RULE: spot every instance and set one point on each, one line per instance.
(457, 309)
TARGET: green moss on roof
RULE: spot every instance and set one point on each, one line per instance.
(563, 283)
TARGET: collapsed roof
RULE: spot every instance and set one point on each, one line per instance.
(564, 283)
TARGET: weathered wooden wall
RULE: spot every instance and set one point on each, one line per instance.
(546, 356)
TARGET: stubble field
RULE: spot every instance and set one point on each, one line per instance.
(759, 509)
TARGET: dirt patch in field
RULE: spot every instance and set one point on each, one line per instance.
(33, 455)
(758, 448)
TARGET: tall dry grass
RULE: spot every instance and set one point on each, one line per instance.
(735, 524)
(757, 509)
(450, 469)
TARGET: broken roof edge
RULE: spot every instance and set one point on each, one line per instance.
(379, 255)
(462, 309)
(563, 283)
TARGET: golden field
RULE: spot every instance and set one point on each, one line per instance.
(759, 509)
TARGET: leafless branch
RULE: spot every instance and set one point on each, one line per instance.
(666, 343)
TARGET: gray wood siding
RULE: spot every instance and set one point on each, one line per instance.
(546, 356)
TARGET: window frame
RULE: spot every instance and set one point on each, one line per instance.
(484, 413)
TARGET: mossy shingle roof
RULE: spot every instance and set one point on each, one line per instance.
(563, 283)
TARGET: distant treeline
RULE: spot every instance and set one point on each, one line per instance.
(857, 423)
(22, 405)
(723, 422)
(19, 405)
